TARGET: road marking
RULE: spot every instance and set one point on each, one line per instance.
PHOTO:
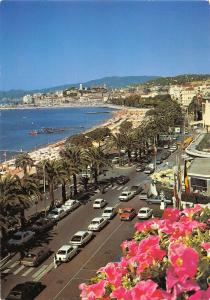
(14, 264)
(6, 271)
(28, 271)
(50, 267)
(117, 204)
(18, 270)
(39, 271)
(99, 248)
(125, 188)
(114, 187)
(119, 188)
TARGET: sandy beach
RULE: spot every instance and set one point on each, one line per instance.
(51, 151)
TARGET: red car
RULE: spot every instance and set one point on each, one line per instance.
(127, 213)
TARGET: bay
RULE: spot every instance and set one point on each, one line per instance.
(16, 125)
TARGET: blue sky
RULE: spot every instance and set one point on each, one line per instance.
(44, 44)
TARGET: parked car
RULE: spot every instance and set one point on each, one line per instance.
(115, 160)
(140, 168)
(42, 225)
(56, 214)
(158, 200)
(159, 161)
(136, 189)
(99, 203)
(149, 170)
(97, 224)
(21, 237)
(66, 252)
(126, 195)
(81, 238)
(166, 146)
(25, 291)
(109, 212)
(122, 179)
(143, 196)
(34, 257)
(70, 205)
(145, 213)
(127, 214)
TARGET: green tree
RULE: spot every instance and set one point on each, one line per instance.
(74, 160)
(24, 161)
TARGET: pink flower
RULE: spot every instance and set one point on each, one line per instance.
(114, 273)
(171, 214)
(189, 212)
(130, 247)
(206, 246)
(121, 294)
(146, 225)
(201, 295)
(184, 260)
(93, 291)
(173, 283)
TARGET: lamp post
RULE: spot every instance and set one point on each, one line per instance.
(44, 181)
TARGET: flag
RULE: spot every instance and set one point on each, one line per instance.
(186, 179)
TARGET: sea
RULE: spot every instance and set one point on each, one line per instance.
(17, 124)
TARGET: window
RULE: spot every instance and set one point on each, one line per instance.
(198, 184)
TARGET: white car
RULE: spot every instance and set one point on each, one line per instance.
(97, 224)
(126, 195)
(66, 252)
(99, 203)
(81, 238)
(145, 213)
(71, 205)
(109, 212)
(21, 237)
(56, 214)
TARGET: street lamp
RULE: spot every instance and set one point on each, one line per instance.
(44, 181)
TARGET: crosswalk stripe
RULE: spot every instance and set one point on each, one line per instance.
(28, 271)
(114, 187)
(50, 267)
(125, 188)
(14, 264)
(18, 270)
(119, 188)
(39, 271)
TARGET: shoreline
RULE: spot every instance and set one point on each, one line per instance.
(51, 151)
(102, 105)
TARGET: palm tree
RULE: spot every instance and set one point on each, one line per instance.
(74, 161)
(117, 141)
(63, 176)
(47, 170)
(97, 160)
(24, 161)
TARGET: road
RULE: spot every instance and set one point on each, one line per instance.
(62, 283)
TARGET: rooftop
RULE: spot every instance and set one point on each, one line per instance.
(200, 167)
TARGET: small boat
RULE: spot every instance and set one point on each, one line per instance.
(33, 132)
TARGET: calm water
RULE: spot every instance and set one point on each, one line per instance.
(15, 126)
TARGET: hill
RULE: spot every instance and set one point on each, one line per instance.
(110, 82)
(180, 79)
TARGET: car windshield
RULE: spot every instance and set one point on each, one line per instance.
(62, 252)
(54, 212)
(125, 193)
(76, 238)
(17, 237)
(94, 222)
(143, 211)
(133, 188)
(98, 201)
(107, 211)
(125, 211)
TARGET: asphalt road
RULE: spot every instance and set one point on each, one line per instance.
(62, 283)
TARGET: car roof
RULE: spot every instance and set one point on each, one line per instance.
(144, 208)
(99, 199)
(97, 219)
(81, 232)
(65, 247)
